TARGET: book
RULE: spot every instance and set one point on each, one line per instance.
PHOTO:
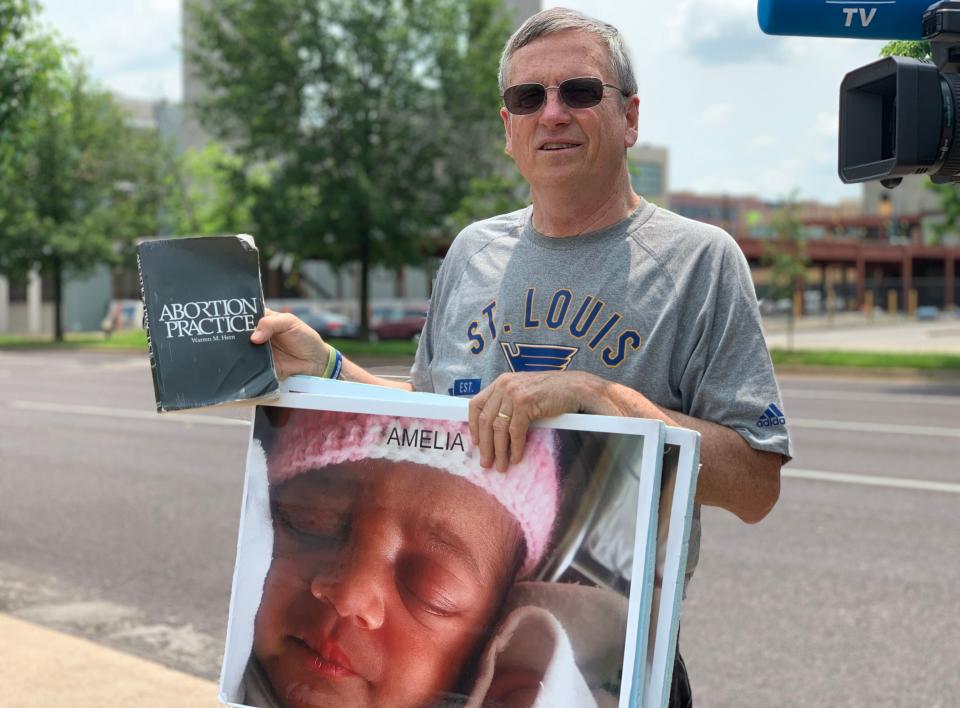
(202, 298)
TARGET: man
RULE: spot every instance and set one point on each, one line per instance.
(591, 300)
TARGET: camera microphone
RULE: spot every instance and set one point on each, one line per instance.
(855, 19)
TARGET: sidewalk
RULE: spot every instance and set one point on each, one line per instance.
(41, 668)
(854, 332)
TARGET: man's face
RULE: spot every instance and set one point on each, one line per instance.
(560, 146)
(385, 580)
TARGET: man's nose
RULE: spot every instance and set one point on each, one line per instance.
(554, 110)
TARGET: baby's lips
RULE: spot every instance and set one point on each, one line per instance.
(331, 653)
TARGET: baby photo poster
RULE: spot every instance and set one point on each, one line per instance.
(379, 564)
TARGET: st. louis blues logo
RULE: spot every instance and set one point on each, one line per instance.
(537, 357)
(772, 418)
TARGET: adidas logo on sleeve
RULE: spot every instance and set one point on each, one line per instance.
(772, 418)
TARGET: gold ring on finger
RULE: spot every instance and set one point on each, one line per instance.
(505, 416)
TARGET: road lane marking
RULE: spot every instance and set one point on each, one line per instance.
(43, 407)
(852, 426)
(871, 480)
(829, 396)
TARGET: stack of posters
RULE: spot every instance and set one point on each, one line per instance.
(379, 564)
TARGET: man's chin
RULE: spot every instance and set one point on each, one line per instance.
(570, 176)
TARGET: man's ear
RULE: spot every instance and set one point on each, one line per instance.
(633, 119)
(505, 117)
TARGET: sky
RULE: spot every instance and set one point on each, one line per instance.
(742, 113)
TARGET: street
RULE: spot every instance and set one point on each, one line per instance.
(119, 525)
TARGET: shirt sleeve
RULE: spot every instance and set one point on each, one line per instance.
(728, 377)
(420, 373)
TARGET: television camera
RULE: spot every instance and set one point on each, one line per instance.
(898, 116)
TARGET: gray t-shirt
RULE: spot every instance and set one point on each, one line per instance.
(657, 302)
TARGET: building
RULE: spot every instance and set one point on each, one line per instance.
(912, 196)
(852, 252)
(649, 172)
(520, 10)
(741, 217)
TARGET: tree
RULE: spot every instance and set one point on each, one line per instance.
(78, 182)
(367, 120)
(212, 192)
(24, 60)
(786, 257)
(906, 48)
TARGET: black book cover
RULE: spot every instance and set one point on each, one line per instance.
(202, 298)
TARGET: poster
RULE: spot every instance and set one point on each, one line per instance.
(379, 565)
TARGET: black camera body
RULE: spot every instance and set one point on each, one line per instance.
(899, 116)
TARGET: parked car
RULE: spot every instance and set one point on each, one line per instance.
(327, 324)
(398, 323)
(122, 314)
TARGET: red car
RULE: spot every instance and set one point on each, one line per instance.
(398, 323)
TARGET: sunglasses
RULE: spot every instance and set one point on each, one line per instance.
(584, 92)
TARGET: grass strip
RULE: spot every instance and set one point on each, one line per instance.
(136, 340)
(867, 360)
(123, 340)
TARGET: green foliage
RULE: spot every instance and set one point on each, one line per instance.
(490, 195)
(369, 120)
(81, 180)
(23, 60)
(213, 192)
(77, 182)
(919, 361)
(786, 254)
(905, 48)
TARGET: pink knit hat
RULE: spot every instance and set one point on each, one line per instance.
(529, 491)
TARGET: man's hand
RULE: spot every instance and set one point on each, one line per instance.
(297, 348)
(734, 476)
(502, 412)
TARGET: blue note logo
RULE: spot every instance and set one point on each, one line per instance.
(537, 357)
(772, 418)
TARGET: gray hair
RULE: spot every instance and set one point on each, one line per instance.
(561, 19)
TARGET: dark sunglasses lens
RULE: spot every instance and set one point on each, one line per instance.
(524, 98)
(581, 93)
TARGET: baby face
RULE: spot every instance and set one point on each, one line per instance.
(385, 580)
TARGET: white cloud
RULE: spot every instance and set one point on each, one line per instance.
(715, 113)
(826, 125)
(131, 47)
(761, 141)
